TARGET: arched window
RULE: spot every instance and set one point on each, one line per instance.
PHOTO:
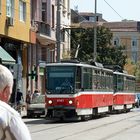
(116, 41)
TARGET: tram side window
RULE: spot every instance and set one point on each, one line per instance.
(87, 78)
(106, 80)
(78, 78)
(96, 79)
(131, 84)
(103, 80)
(120, 83)
(125, 84)
(109, 81)
(115, 82)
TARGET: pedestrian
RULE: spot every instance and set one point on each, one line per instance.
(36, 93)
(11, 125)
(19, 97)
(28, 98)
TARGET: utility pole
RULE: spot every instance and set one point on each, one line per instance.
(58, 30)
(95, 34)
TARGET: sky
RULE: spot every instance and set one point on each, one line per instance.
(121, 9)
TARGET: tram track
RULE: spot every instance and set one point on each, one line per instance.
(59, 126)
(119, 132)
(104, 125)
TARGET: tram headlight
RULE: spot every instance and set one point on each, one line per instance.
(70, 102)
(50, 101)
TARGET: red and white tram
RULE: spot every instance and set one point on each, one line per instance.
(124, 91)
(79, 90)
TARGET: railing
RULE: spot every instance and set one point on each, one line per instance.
(42, 27)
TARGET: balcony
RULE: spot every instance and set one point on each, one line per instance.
(43, 32)
(44, 28)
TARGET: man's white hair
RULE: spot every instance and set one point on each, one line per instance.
(6, 78)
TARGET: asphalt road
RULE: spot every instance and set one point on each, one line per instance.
(125, 126)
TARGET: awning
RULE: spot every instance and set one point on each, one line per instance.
(5, 57)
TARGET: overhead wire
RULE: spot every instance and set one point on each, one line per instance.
(113, 9)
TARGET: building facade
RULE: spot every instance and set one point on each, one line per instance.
(44, 47)
(14, 38)
(126, 33)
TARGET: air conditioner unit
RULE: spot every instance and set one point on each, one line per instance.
(10, 21)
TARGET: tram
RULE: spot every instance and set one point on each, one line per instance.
(76, 90)
(124, 91)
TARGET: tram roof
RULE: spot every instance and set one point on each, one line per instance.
(78, 64)
(124, 74)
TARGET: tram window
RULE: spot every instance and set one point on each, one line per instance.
(87, 78)
(115, 83)
(103, 80)
(131, 84)
(78, 78)
(109, 80)
(125, 84)
(96, 79)
(61, 80)
(120, 83)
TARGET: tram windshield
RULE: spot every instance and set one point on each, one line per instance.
(60, 79)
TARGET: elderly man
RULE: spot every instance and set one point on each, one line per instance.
(11, 125)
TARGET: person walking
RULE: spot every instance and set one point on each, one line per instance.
(11, 125)
(28, 98)
(36, 93)
(19, 97)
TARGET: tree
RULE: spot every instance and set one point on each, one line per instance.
(130, 67)
(105, 53)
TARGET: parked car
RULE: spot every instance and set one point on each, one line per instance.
(37, 107)
(137, 100)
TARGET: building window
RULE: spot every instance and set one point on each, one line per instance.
(44, 6)
(134, 42)
(22, 10)
(134, 50)
(116, 41)
(0, 6)
(134, 57)
(92, 19)
(9, 8)
(134, 45)
(53, 16)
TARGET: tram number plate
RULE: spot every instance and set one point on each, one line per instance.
(38, 111)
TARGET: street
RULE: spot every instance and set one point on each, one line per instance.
(123, 126)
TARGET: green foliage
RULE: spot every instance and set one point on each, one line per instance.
(105, 53)
(111, 56)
